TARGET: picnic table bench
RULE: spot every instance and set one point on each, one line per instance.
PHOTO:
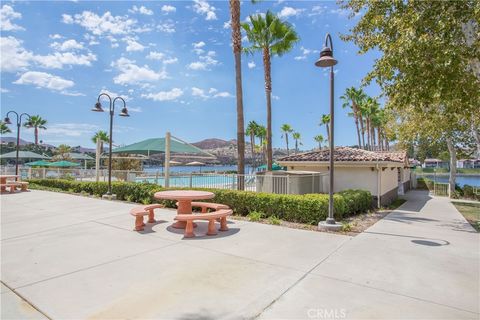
(211, 217)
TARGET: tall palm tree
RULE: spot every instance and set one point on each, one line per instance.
(36, 122)
(4, 128)
(325, 121)
(262, 134)
(251, 131)
(237, 52)
(103, 135)
(296, 136)
(319, 138)
(272, 37)
(62, 152)
(370, 108)
(286, 129)
(352, 98)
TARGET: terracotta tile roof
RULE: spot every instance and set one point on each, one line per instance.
(349, 154)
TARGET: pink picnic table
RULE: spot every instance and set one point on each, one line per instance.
(184, 198)
(5, 177)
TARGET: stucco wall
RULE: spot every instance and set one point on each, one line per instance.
(389, 180)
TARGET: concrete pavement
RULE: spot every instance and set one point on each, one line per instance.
(76, 257)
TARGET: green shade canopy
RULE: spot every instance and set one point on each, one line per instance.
(275, 167)
(62, 164)
(157, 145)
(23, 155)
(39, 163)
(79, 156)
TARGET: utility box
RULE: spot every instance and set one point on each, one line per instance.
(289, 182)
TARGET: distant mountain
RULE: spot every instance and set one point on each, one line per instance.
(6, 140)
(214, 143)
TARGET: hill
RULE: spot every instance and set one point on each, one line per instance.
(214, 143)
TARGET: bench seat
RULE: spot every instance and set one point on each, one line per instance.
(140, 211)
(209, 205)
(210, 217)
(12, 185)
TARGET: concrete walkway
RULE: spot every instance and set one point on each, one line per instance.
(73, 257)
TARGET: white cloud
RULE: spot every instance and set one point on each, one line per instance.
(197, 92)
(251, 65)
(154, 55)
(71, 129)
(3, 90)
(113, 94)
(134, 109)
(13, 56)
(274, 97)
(44, 80)
(198, 45)
(223, 94)
(67, 45)
(130, 73)
(66, 18)
(317, 10)
(305, 53)
(288, 12)
(164, 95)
(204, 60)
(7, 14)
(59, 60)
(133, 45)
(141, 10)
(168, 9)
(197, 66)
(167, 27)
(227, 24)
(105, 24)
(55, 36)
(170, 61)
(204, 8)
(212, 93)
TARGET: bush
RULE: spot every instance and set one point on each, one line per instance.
(308, 208)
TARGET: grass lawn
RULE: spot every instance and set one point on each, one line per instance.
(471, 212)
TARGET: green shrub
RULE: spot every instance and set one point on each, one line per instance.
(274, 220)
(308, 208)
(255, 216)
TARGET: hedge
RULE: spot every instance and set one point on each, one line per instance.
(308, 208)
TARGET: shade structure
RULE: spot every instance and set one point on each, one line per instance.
(23, 155)
(79, 156)
(63, 164)
(39, 163)
(195, 163)
(157, 145)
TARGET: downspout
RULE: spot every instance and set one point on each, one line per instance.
(379, 185)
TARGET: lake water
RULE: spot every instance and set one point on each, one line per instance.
(461, 180)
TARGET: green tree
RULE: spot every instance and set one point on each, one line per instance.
(237, 52)
(319, 139)
(297, 137)
(286, 129)
(353, 98)
(325, 121)
(273, 37)
(262, 134)
(252, 129)
(4, 128)
(36, 122)
(104, 138)
(62, 152)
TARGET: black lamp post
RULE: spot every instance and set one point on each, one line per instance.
(19, 125)
(327, 60)
(123, 113)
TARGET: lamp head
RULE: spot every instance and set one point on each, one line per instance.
(7, 120)
(124, 112)
(98, 107)
(326, 58)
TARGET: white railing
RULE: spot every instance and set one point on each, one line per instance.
(277, 183)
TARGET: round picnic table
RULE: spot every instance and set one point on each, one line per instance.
(4, 178)
(184, 198)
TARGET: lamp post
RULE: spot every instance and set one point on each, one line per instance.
(327, 60)
(123, 113)
(19, 125)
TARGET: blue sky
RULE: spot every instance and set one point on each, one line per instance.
(172, 61)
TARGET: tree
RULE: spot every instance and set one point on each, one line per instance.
(262, 134)
(425, 68)
(353, 98)
(286, 129)
(237, 51)
(36, 122)
(272, 37)
(252, 129)
(4, 128)
(325, 121)
(319, 138)
(297, 137)
(103, 135)
(62, 152)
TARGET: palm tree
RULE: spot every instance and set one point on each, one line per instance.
(272, 37)
(237, 51)
(296, 136)
(319, 138)
(36, 122)
(370, 107)
(62, 152)
(251, 131)
(325, 121)
(4, 128)
(353, 98)
(262, 134)
(286, 129)
(103, 135)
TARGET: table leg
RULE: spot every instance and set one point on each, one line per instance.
(3, 181)
(184, 207)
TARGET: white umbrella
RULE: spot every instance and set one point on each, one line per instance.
(174, 163)
(196, 163)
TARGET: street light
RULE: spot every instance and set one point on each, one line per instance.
(123, 113)
(19, 125)
(327, 60)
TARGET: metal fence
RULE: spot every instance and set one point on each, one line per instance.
(280, 183)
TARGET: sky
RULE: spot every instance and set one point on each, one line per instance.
(172, 62)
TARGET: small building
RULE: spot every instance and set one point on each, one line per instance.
(435, 163)
(384, 174)
(468, 163)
